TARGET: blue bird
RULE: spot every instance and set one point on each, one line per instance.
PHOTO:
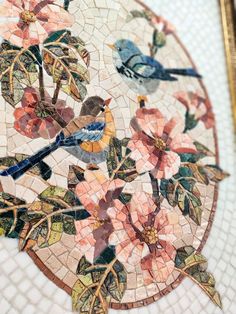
(143, 73)
(89, 134)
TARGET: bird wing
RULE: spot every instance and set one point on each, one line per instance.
(140, 67)
(147, 67)
(93, 132)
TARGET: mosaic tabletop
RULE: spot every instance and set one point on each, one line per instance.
(109, 167)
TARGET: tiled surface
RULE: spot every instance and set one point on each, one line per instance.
(187, 297)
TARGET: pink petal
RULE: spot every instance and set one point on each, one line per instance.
(10, 8)
(30, 98)
(168, 166)
(93, 189)
(84, 237)
(140, 145)
(150, 121)
(183, 97)
(182, 143)
(53, 18)
(174, 127)
(83, 192)
(167, 225)
(115, 184)
(141, 206)
(128, 247)
(130, 252)
(161, 220)
(158, 266)
(143, 151)
(11, 32)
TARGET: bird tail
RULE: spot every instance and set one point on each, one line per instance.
(21, 167)
(184, 72)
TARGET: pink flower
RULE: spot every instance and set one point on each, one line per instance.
(28, 22)
(145, 238)
(38, 118)
(198, 106)
(156, 143)
(97, 194)
(162, 25)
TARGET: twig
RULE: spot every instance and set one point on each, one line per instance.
(97, 292)
(47, 217)
(56, 92)
(41, 84)
(12, 208)
(120, 165)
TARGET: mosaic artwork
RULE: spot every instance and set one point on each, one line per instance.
(109, 176)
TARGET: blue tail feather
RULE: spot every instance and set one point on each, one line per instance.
(21, 167)
(184, 72)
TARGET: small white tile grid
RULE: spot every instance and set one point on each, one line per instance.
(25, 290)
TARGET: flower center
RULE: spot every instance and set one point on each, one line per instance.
(150, 235)
(42, 110)
(28, 16)
(97, 224)
(160, 144)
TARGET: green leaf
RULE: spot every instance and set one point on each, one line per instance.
(159, 39)
(97, 284)
(69, 225)
(181, 191)
(17, 68)
(193, 265)
(215, 173)
(119, 164)
(190, 121)
(37, 54)
(82, 266)
(198, 173)
(192, 158)
(107, 256)
(203, 149)
(59, 197)
(186, 258)
(134, 14)
(167, 189)
(52, 216)
(125, 198)
(61, 54)
(11, 223)
(12, 90)
(189, 202)
(75, 176)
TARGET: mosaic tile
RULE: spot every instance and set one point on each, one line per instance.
(110, 167)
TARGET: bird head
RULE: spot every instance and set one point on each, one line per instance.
(125, 48)
(94, 106)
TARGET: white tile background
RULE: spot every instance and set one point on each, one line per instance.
(25, 290)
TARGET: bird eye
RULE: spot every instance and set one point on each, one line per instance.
(119, 49)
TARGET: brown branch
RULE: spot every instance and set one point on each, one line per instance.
(12, 208)
(41, 84)
(120, 165)
(56, 92)
(46, 217)
(97, 292)
(183, 273)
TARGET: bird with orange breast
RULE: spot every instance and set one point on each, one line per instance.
(87, 137)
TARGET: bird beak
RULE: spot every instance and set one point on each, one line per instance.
(111, 46)
(107, 102)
